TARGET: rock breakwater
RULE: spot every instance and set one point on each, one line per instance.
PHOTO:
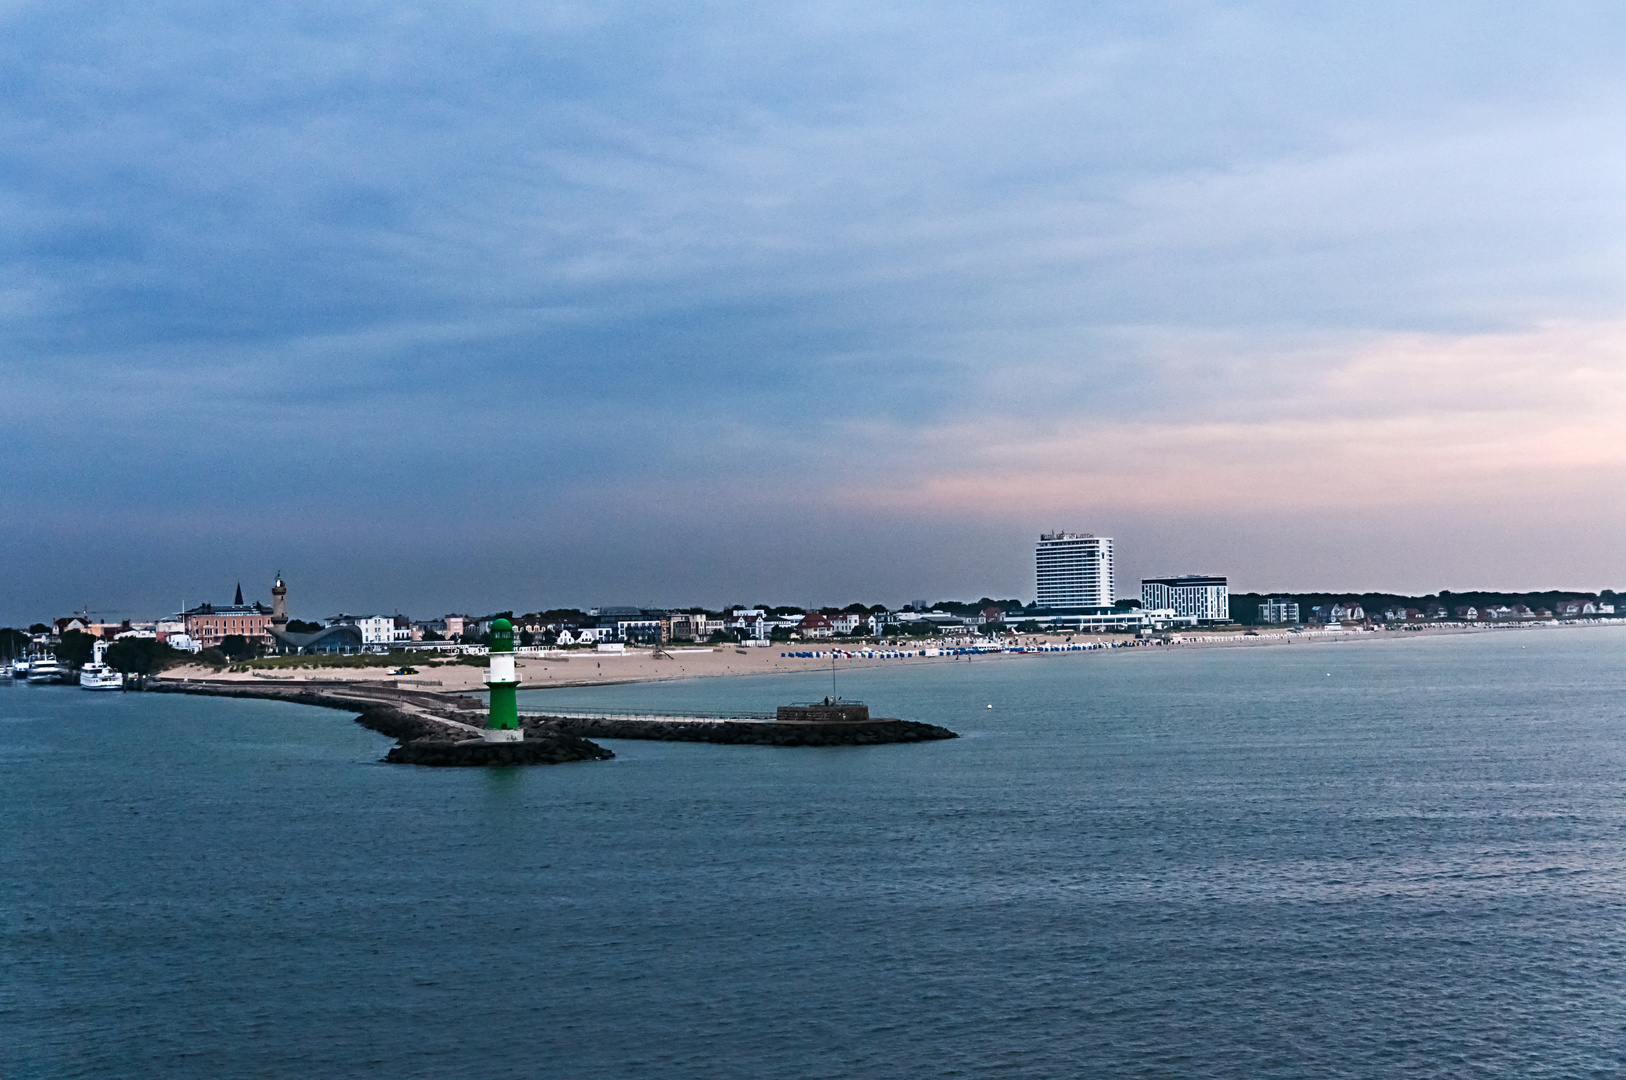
(737, 732)
(543, 749)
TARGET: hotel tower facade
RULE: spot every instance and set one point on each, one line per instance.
(1075, 570)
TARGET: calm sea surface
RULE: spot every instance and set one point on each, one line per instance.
(1396, 858)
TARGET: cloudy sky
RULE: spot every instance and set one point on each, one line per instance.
(460, 306)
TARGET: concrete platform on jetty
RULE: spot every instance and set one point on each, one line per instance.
(446, 729)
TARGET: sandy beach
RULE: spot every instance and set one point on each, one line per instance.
(587, 668)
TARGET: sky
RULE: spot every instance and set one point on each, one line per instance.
(474, 306)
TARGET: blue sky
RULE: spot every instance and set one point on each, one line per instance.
(463, 306)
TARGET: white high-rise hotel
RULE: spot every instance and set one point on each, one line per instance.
(1075, 570)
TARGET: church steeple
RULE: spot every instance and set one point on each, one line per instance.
(239, 600)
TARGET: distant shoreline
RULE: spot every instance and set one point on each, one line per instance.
(578, 669)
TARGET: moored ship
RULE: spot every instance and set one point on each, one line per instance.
(44, 669)
(96, 675)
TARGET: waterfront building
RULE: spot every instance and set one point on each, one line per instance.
(685, 626)
(374, 629)
(943, 621)
(1097, 622)
(583, 635)
(707, 625)
(338, 638)
(815, 625)
(753, 621)
(848, 621)
(693, 625)
(1074, 570)
(210, 624)
(1279, 610)
(627, 623)
(1203, 598)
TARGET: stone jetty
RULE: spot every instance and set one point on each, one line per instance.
(741, 732)
(426, 726)
(447, 729)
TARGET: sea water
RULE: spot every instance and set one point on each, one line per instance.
(1384, 858)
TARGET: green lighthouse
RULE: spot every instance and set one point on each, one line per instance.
(502, 723)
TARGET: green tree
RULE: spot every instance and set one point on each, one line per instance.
(299, 626)
(236, 647)
(75, 648)
(13, 643)
(141, 656)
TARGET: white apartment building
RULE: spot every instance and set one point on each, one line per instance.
(1075, 570)
(375, 629)
(1196, 596)
(1279, 611)
(847, 622)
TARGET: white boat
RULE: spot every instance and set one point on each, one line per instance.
(44, 669)
(19, 668)
(98, 676)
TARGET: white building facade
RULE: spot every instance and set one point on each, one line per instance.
(1278, 611)
(1206, 599)
(1074, 570)
(376, 629)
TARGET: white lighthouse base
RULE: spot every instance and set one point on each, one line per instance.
(503, 734)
